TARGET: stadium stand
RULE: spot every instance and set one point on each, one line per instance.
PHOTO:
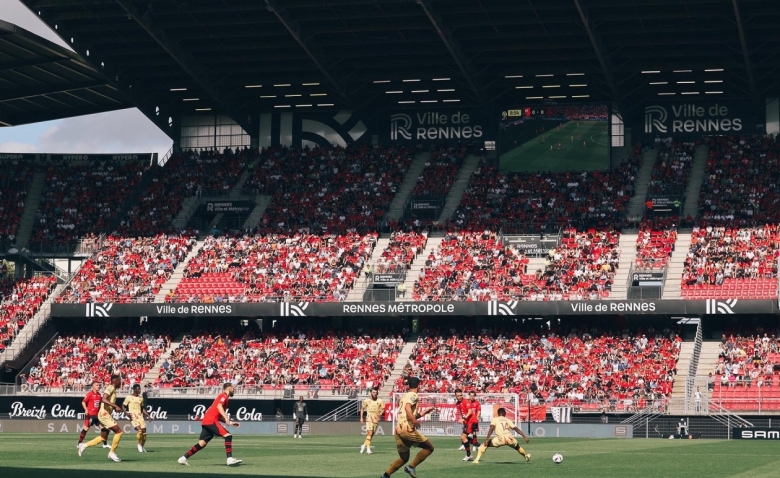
(261, 268)
(655, 243)
(187, 173)
(727, 262)
(73, 361)
(126, 269)
(745, 376)
(740, 177)
(13, 191)
(584, 199)
(402, 249)
(19, 301)
(330, 190)
(592, 370)
(83, 198)
(672, 168)
(440, 172)
(336, 363)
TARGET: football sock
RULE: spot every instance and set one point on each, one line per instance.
(421, 456)
(139, 438)
(467, 446)
(95, 441)
(481, 451)
(195, 448)
(143, 438)
(521, 451)
(82, 435)
(394, 466)
(229, 446)
(115, 443)
(367, 443)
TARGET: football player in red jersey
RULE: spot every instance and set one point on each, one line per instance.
(211, 426)
(470, 411)
(461, 408)
(91, 404)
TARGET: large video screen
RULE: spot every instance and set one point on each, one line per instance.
(554, 138)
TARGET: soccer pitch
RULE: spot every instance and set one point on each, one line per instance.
(43, 455)
(573, 156)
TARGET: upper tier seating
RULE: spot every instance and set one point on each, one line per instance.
(655, 244)
(672, 168)
(74, 361)
(14, 184)
(263, 268)
(186, 174)
(586, 369)
(440, 172)
(83, 197)
(329, 190)
(333, 362)
(127, 269)
(740, 183)
(585, 199)
(20, 299)
(746, 374)
(726, 263)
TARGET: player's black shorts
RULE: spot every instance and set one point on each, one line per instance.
(301, 421)
(91, 420)
(207, 432)
(469, 428)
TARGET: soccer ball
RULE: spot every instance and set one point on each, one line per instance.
(557, 458)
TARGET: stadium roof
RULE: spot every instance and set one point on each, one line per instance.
(240, 57)
(42, 81)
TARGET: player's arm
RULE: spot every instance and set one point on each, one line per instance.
(489, 432)
(144, 412)
(107, 400)
(410, 413)
(225, 417)
(84, 406)
(518, 430)
(124, 406)
(362, 410)
(306, 411)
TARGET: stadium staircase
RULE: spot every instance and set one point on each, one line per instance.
(627, 247)
(695, 181)
(536, 263)
(681, 401)
(396, 209)
(636, 205)
(31, 329)
(708, 360)
(261, 203)
(188, 207)
(398, 369)
(461, 183)
(154, 372)
(674, 271)
(417, 264)
(31, 203)
(178, 274)
(361, 285)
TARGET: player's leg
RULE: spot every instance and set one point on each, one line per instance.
(474, 432)
(465, 441)
(228, 445)
(206, 434)
(102, 438)
(369, 435)
(115, 442)
(522, 452)
(493, 442)
(403, 458)
(426, 449)
(84, 429)
(143, 439)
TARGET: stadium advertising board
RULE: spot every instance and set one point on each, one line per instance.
(425, 205)
(755, 433)
(361, 309)
(101, 157)
(392, 278)
(692, 119)
(424, 125)
(650, 278)
(230, 207)
(533, 245)
(20, 156)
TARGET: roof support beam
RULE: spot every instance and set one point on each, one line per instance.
(295, 30)
(601, 52)
(22, 93)
(745, 52)
(187, 62)
(455, 50)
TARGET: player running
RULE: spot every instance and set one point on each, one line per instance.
(134, 408)
(91, 405)
(108, 405)
(470, 411)
(211, 427)
(406, 434)
(373, 407)
(503, 428)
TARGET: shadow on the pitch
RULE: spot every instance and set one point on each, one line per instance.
(14, 472)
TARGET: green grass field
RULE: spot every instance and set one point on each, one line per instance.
(573, 156)
(43, 456)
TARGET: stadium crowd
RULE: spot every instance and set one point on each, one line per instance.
(672, 168)
(20, 299)
(13, 192)
(127, 269)
(440, 172)
(582, 367)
